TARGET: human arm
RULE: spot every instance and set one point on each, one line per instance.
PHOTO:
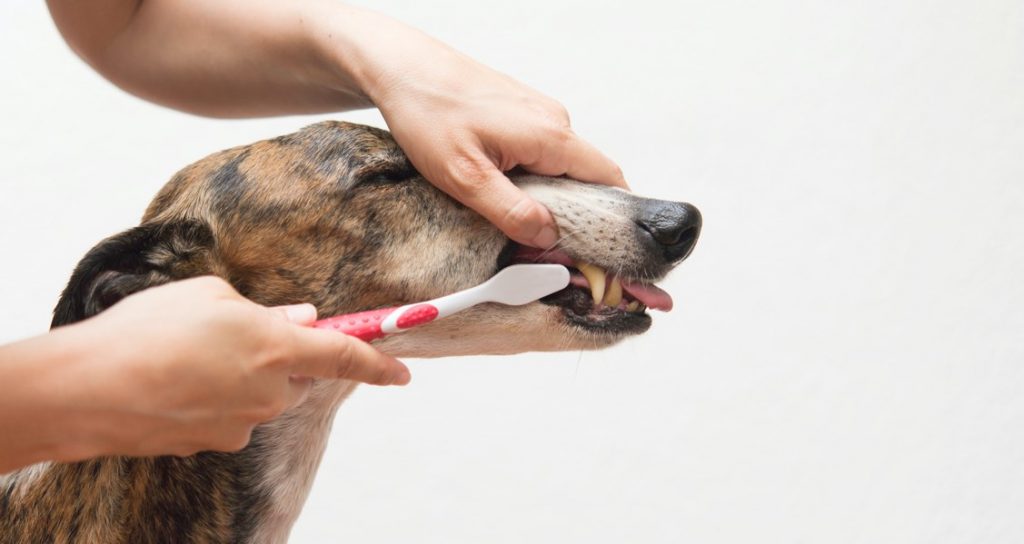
(176, 369)
(461, 123)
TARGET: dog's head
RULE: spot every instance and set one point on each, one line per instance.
(336, 215)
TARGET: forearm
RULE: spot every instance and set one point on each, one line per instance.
(235, 58)
(43, 415)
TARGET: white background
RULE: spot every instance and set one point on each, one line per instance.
(845, 360)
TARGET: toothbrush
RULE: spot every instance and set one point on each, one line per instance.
(516, 285)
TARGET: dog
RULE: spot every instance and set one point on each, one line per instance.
(336, 215)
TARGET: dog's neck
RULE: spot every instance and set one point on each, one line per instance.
(291, 449)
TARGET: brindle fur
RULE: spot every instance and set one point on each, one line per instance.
(334, 215)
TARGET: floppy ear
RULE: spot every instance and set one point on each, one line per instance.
(136, 259)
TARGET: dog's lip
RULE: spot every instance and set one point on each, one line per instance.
(647, 294)
(535, 255)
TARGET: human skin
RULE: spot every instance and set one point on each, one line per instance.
(461, 123)
(176, 369)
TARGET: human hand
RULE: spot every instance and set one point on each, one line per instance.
(463, 124)
(194, 366)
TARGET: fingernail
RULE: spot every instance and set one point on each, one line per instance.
(546, 238)
(301, 313)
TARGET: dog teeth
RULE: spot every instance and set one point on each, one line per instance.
(607, 291)
(595, 277)
(613, 296)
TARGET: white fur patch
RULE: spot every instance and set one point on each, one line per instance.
(294, 444)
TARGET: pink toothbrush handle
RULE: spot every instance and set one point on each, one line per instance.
(374, 324)
(362, 325)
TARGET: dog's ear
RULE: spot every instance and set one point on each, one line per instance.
(136, 259)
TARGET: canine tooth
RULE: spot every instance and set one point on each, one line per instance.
(595, 277)
(614, 294)
(632, 306)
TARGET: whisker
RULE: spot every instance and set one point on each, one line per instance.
(577, 371)
(554, 247)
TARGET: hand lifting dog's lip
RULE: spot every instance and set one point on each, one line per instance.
(334, 215)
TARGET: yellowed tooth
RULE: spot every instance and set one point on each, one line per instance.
(613, 296)
(633, 306)
(595, 277)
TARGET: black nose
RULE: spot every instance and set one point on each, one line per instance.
(674, 226)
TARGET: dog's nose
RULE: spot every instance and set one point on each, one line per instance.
(674, 226)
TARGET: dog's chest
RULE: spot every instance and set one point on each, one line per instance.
(290, 451)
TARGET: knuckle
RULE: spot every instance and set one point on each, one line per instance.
(560, 134)
(524, 213)
(378, 375)
(275, 343)
(345, 358)
(473, 187)
(559, 112)
(553, 140)
(549, 108)
(469, 176)
(382, 376)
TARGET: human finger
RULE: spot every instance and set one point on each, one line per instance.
(328, 354)
(491, 194)
(578, 159)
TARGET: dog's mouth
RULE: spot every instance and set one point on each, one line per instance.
(595, 299)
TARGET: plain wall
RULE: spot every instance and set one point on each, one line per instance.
(844, 363)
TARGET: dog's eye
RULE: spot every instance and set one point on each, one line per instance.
(391, 175)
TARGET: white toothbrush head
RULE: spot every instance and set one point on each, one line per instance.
(524, 283)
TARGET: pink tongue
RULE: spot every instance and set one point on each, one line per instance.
(649, 295)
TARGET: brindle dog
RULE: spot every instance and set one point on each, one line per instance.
(334, 215)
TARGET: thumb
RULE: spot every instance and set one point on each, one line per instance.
(329, 354)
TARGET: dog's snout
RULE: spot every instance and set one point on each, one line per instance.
(674, 226)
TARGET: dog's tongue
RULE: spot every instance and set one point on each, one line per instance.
(651, 296)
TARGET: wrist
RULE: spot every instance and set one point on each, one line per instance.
(44, 417)
(337, 35)
(101, 389)
(89, 382)
(373, 55)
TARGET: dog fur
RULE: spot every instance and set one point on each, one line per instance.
(334, 215)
